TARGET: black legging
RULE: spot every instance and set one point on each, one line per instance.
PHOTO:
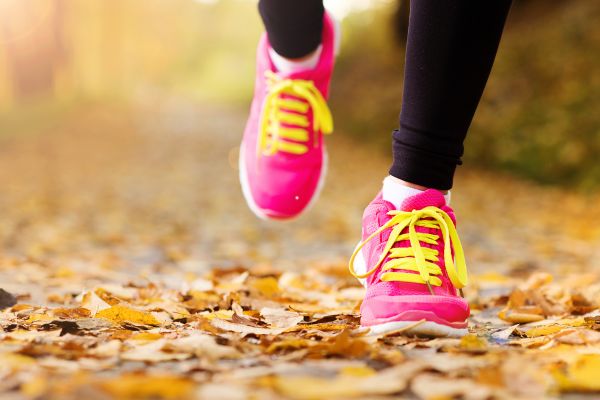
(449, 54)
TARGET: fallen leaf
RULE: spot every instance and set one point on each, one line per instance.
(280, 318)
(6, 299)
(581, 375)
(153, 352)
(473, 343)
(202, 346)
(267, 287)
(347, 384)
(146, 386)
(519, 316)
(91, 301)
(71, 313)
(578, 336)
(244, 329)
(504, 334)
(433, 386)
(543, 330)
(121, 314)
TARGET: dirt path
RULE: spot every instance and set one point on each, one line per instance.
(132, 201)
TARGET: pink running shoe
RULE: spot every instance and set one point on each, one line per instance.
(412, 264)
(282, 155)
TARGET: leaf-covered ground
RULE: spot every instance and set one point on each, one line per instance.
(131, 268)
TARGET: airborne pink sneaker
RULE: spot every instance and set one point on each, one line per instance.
(282, 155)
(412, 264)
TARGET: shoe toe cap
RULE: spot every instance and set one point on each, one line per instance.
(448, 310)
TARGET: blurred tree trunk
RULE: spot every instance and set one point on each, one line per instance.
(401, 21)
(31, 39)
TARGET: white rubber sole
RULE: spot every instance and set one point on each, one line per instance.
(263, 214)
(417, 328)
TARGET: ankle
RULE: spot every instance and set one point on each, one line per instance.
(396, 190)
(290, 65)
(413, 185)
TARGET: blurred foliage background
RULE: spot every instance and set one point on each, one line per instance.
(539, 117)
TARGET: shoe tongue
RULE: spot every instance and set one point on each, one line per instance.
(429, 197)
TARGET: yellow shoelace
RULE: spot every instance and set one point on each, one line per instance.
(417, 258)
(292, 111)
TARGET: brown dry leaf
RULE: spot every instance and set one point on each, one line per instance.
(287, 344)
(71, 313)
(199, 300)
(433, 386)
(349, 383)
(342, 344)
(524, 378)
(202, 345)
(593, 322)
(280, 318)
(535, 342)
(111, 348)
(578, 336)
(537, 280)
(504, 334)
(91, 301)
(153, 352)
(244, 329)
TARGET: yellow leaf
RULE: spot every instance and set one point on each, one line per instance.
(473, 343)
(134, 386)
(93, 302)
(35, 387)
(492, 276)
(572, 321)
(582, 375)
(39, 317)
(147, 336)
(20, 307)
(516, 317)
(64, 272)
(16, 361)
(543, 330)
(204, 296)
(362, 384)
(358, 371)
(265, 286)
(220, 314)
(287, 344)
(71, 313)
(121, 314)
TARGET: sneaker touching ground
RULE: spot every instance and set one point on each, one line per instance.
(283, 158)
(412, 264)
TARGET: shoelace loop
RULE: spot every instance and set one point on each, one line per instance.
(417, 258)
(292, 111)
